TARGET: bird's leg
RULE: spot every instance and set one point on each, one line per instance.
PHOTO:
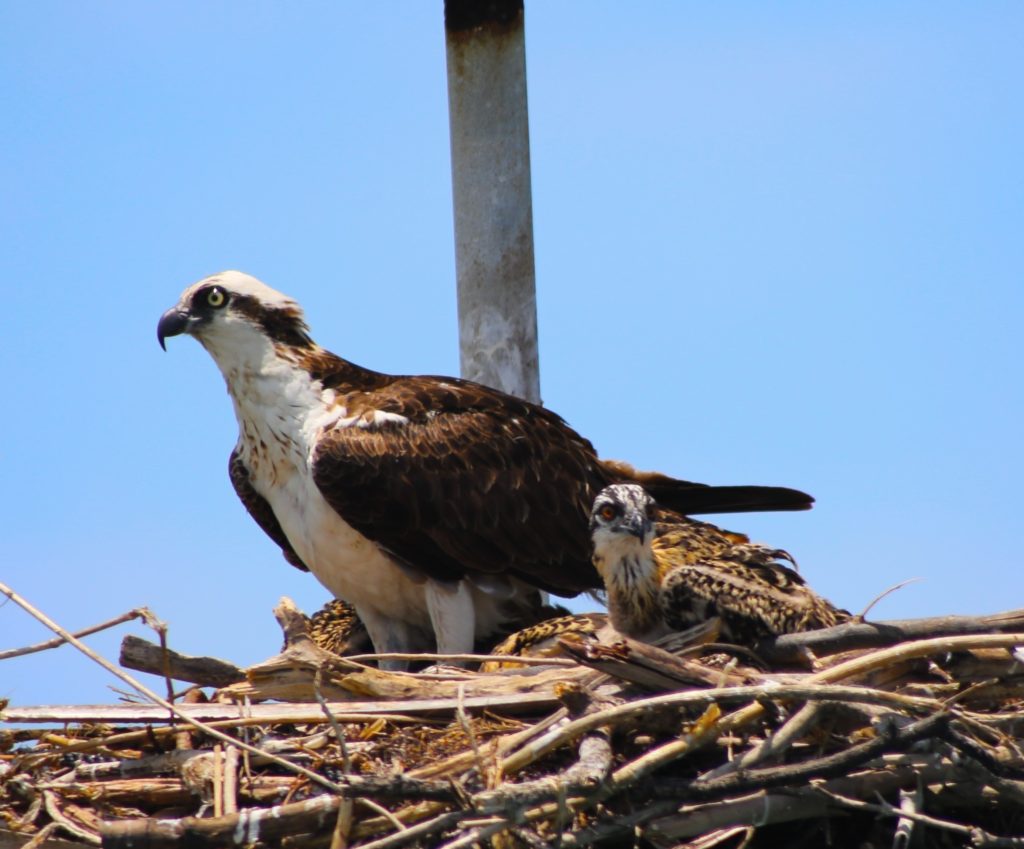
(452, 615)
(389, 635)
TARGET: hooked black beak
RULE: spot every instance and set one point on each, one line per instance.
(172, 323)
(637, 525)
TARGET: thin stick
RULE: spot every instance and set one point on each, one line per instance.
(231, 780)
(218, 780)
(886, 809)
(42, 835)
(467, 729)
(414, 832)
(609, 716)
(72, 828)
(342, 824)
(143, 613)
(346, 764)
(153, 697)
(860, 616)
(775, 744)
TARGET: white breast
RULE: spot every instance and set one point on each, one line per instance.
(282, 413)
(278, 433)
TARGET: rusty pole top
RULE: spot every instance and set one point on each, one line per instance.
(490, 141)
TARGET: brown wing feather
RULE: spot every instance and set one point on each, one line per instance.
(479, 481)
(259, 508)
(476, 482)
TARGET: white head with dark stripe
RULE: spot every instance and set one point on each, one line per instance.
(621, 525)
(237, 318)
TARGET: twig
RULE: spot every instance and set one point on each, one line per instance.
(342, 824)
(161, 630)
(414, 832)
(802, 803)
(346, 763)
(40, 838)
(72, 828)
(796, 727)
(885, 809)
(828, 766)
(975, 751)
(860, 616)
(460, 713)
(231, 780)
(143, 613)
(218, 780)
(910, 802)
(244, 828)
(857, 666)
(153, 697)
(673, 701)
(792, 648)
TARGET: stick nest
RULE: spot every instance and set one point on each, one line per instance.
(888, 734)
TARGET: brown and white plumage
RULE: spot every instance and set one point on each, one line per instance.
(337, 628)
(541, 640)
(668, 575)
(436, 506)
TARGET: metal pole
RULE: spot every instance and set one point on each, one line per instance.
(490, 140)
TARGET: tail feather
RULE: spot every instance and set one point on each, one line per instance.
(691, 498)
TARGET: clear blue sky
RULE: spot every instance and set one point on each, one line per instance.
(777, 245)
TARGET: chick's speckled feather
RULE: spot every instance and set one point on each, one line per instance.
(681, 572)
(755, 595)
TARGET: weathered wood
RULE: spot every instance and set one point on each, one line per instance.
(650, 666)
(273, 713)
(291, 676)
(241, 829)
(144, 656)
(793, 648)
(14, 840)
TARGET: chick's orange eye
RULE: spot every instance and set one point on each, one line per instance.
(607, 512)
(216, 297)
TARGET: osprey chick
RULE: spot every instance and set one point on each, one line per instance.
(671, 576)
(436, 506)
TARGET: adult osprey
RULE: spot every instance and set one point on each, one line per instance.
(436, 506)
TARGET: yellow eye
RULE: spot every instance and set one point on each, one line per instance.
(216, 297)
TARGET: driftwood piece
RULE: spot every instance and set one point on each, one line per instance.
(592, 766)
(793, 648)
(291, 676)
(247, 827)
(649, 666)
(764, 808)
(15, 840)
(144, 656)
(272, 713)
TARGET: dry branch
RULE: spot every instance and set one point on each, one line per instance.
(143, 613)
(144, 656)
(793, 648)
